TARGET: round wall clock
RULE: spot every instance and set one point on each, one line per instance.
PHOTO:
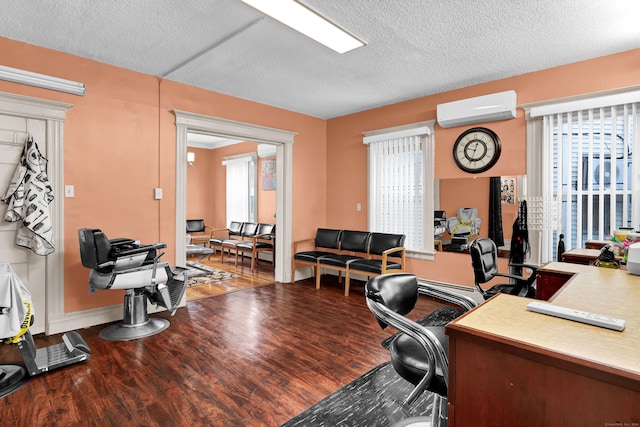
(477, 150)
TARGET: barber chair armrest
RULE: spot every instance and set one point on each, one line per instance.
(141, 249)
(120, 241)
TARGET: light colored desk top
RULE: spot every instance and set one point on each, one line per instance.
(583, 252)
(611, 292)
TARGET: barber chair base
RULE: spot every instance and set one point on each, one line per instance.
(12, 377)
(135, 321)
(122, 332)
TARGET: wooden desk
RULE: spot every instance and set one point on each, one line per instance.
(581, 256)
(551, 277)
(596, 244)
(509, 366)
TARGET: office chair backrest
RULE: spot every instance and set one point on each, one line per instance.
(397, 291)
(356, 241)
(266, 229)
(327, 238)
(484, 259)
(235, 228)
(380, 242)
(195, 225)
(249, 229)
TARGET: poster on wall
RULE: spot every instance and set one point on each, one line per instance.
(269, 174)
(508, 195)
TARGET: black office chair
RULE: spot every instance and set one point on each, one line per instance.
(484, 259)
(419, 354)
(126, 264)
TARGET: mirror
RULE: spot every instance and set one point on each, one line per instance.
(455, 193)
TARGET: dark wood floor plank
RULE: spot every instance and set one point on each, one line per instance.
(258, 356)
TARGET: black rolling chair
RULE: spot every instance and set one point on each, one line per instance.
(484, 259)
(419, 354)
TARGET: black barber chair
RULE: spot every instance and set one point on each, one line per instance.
(419, 354)
(16, 317)
(125, 264)
(484, 260)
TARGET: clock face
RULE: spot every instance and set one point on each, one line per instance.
(476, 150)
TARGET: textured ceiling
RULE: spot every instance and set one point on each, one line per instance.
(414, 47)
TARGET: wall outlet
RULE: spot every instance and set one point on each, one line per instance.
(69, 191)
(157, 193)
(358, 207)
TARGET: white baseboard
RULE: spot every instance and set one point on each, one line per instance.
(94, 317)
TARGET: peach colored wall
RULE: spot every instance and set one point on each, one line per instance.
(119, 144)
(206, 186)
(347, 155)
(266, 200)
(200, 194)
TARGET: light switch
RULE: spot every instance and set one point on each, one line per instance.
(358, 207)
(69, 191)
(157, 193)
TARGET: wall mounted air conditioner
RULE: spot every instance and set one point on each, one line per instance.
(486, 108)
(266, 150)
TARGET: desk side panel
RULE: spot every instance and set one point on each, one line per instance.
(493, 387)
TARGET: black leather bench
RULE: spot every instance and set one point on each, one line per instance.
(349, 251)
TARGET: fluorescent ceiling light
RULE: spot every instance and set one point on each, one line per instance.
(308, 22)
(41, 80)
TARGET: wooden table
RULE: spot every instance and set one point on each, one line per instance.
(581, 256)
(509, 366)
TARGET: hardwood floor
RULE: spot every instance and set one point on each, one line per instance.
(254, 357)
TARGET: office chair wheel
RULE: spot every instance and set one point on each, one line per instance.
(12, 377)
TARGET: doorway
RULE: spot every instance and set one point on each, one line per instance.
(283, 141)
(227, 180)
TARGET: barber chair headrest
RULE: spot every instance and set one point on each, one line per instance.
(95, 248)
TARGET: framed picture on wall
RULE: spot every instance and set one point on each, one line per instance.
(508, 195)
(269, 174)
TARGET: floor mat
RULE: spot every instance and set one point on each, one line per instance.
(371, 400)
(200, 274)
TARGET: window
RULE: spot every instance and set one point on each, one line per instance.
(400, 167)
(241, 187)
(586, 186)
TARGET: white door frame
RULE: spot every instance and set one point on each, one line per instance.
(282, 139)
(54, 114)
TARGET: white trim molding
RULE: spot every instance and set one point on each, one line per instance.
(54, 114)
(282, 139)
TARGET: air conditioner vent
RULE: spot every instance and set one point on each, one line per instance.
(486, 108)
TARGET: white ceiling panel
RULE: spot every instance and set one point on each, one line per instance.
(414, 47)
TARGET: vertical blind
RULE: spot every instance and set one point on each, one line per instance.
(591, 159)
(396, 188)
(239, 187)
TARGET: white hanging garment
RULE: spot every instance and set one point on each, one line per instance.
(13, 299)
(28, 196)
